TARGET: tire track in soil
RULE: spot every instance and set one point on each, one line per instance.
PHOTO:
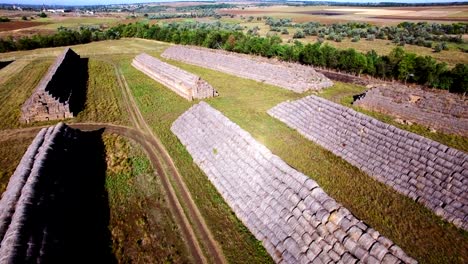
(201, 229)
(164, 166)
(146, 142)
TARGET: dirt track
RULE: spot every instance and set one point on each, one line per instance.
(190, 221)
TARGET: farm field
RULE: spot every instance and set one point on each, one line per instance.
(379, 15)
(35, 25)
(417, 230)
(141, 225)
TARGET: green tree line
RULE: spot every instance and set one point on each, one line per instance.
(398, 65)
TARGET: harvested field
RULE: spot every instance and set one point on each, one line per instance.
(419, 18)
(104, 100)
(422, 169)
(3, 64)
(11, 69)
(14, 25)
(375, 15)
(283, 208)
(11, 98)
(438, 110)
(291, 76)
(185, 84)
(418, 231)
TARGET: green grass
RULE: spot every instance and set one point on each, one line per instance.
(343, 94)
(74, 22)
(417, 230)
(104, 102)
(17, 90)
(11, 151)
(141, 224)
(104, 99)
(161, 107)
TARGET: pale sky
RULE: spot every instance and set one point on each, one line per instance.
(94, 2)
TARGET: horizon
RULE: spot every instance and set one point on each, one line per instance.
(116, 2)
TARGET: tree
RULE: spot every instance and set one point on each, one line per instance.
(43, 15)
(406, 67)
(460, 79)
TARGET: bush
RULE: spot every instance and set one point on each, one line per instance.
(427, 44)
(42, 14)
(370, 37)
(356, 39)
(299, 34)
(285, 31)
(4, 19)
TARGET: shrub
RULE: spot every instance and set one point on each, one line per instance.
(299, 34)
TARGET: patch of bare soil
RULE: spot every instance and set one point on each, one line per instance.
(13, 25)
(406, 18)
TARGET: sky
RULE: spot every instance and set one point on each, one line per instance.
(94, 2)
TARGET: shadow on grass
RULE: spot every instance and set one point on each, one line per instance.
(3, 64)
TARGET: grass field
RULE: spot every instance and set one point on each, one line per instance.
(17, 89)
(104, 100)
(417, 230)
(161, 107)
(141, 224)
(11, 151)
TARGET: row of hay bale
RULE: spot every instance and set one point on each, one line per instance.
(182, 82)
(292, 76)
(17, 203)
(51, 100)
(294, 218)
(55, 208)
(439, 110)
(424, 170)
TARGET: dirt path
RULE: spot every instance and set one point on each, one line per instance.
(146, 141)
(170, 170)
(190, 221)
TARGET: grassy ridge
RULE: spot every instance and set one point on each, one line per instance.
(416, 229)
(161, 107)
(141, 224)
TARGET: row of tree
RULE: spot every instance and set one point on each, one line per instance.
(399, 64)
(421, 33)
